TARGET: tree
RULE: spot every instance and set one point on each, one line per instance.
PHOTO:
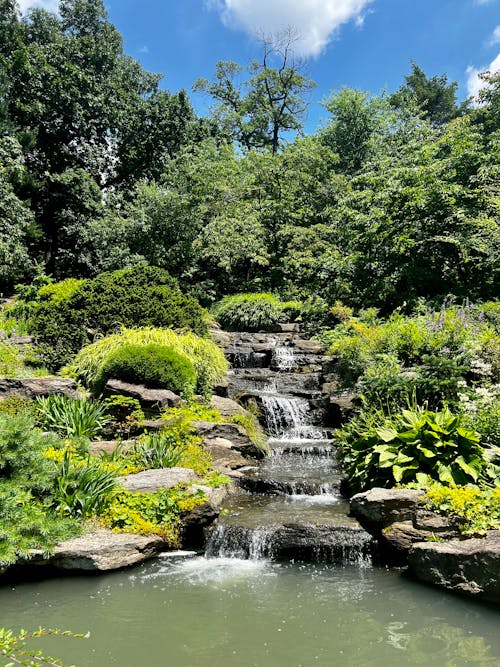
(16, 219)
(355, 117)
(257, 112)
(435, 96)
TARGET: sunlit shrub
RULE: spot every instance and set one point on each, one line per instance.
(249, 312)
(76, 314)
(153, 365)
(473, 509)
(209, 362)
(414, 446)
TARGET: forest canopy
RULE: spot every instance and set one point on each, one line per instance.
(394, 199)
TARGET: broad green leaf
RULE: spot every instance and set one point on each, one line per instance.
(387, 434)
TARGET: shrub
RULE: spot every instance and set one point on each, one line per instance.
(153, 365)
(209, 362)
(415, 446)
(427, 355)
(249, 312)
(22, 449)
(26, 486)
(11, 363)
(16, 404)
(72, 417)
(475, 510)
(76, 315)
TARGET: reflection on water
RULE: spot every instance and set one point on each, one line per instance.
(238, 613)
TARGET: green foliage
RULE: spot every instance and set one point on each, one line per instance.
(207, 359)
(26, 485)
(162, 449)
(71, 417)
(83, 490)
(193, 411)
(142, 296)
(11, 363)
(251, 425)
(415, 446)
(434, 96)
(153, 365)
(17, 648)
(481, 409)
(124, 412)
(428, 356)
(249, 312)
(22, 450)
(151, 513)
(16, 404)
(473, 509)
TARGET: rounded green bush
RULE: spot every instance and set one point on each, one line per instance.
(208, 360)
(65, 320)
(155, 366)
(249, 312)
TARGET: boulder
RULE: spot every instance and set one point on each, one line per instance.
(399, 537)
(101, 550)
(223, 454)
(235, 433)
(227, 407)
(148, 398)
(378, 508)
(310, 346)
(33, 387)
(150, 481)
(197, 520)
(289, 327)
(468, 566)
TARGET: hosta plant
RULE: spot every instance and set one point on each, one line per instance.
(416, 446)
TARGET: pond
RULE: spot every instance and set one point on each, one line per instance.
(226, 612)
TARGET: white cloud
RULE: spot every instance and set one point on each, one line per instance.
(495, 37)
(474, 83)
(49, 5)
(314, 20)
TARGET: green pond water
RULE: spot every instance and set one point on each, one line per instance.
(233, 613)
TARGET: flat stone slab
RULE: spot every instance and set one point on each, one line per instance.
(150, 481)
(379, 508)
(468, 566)
(148, 398)
(102, 550)
(33, 387)
(227, 407)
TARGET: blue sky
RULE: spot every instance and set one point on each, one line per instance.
(366, 44)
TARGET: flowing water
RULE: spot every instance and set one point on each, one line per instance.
(287, 579)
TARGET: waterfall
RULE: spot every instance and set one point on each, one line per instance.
(288, 419)
(289, 506)
(284, 359)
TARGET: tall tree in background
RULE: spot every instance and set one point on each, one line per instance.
(258, 111)
(435, 96)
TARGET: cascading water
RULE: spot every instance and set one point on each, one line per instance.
(290, 507)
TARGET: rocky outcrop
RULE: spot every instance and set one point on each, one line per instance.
(35, 387)
(378, 508)
(224, 455)
(150, 399)
(227, 407)
(234, 433)
(101, 551)
(150, 481)
(468, 566)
